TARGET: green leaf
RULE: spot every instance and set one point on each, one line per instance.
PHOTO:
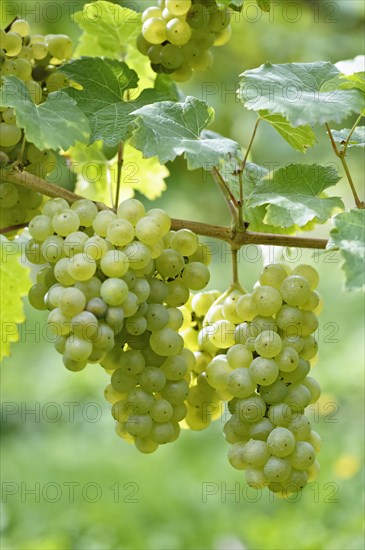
(168, 129)
(299, 137)
(97, 176)
(108, 29)
(14, 285)
(357, 138)
(349, 236)
(55, 124)
(304, 93)
(264, 5)
(354, 81)
(293, 194)
(235, 5)
(111, 30)
(104, 83)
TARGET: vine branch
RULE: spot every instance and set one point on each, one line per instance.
(244, 162)
(341, 155)
(228, 195)
(236, 239)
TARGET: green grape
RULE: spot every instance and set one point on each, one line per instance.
(309, 324)
(167, 15)
(239, 356)
(197, 16)
(287, 359)
(240, 383)
(195, 276)
(152, 379)
(156, 317)
(182, 74)
(303, 456)
(256, 453)
(264, 371)
(114, 263)
(203, 62)
(9, 116)
(132, 361)
(315, 440)
(150, 12)
(298, 397)
(149, 230)
(77, 349)
(95, 247)
(312, 303)
(298, 374)
(138, 255)
(72, 365)
(222, 38)
(97, 306)
(55, 81)
(23, 69)
(310, 347)
(72, 301)
(102, 221)
(273, 275)
(58, 323)
(136, 325)
(163, 432)
(178, 32)
(145, 445)
(130, 305)
(9, 195)
(185, 242)
(163, 219)
(175, 391)
(245, 308)
(250, 409)
(81, 268)
(74, 243)
(12, 44)
(277, 469)
(36, 296)
(300, 427)
(175, 367)
(39, 50)
(170, 263)
(65, 222)
(309, 273)
(219, 20)
(293, 341)
(275, 392)
(295, 290)
(236, 456)
(218, 372)
(221, 334)
(131, 210)
(120, 232)
(178, 7)
(123, 382)
(86, 211)
(141, 289)
(154, 30)
(142, 44)
(34, 252)
(90, 288)
(166, 342)
(280, 414)
(296, 481)
(171, 56)
(268, 344)
(154, 53)
(40, 227)
(266, 300)
(53, 206)
(313, 387)
(255, 477)
(203, 38)
(114, 291)
(21, 27)
(62, 272)
(59, 46)
(281, 442)
(10, 135)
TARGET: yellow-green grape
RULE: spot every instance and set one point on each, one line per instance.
(10, 135)
(153, 11)
(223, 36)
(23, 69)
(21, 27)
(178, 7)
(59, 46)
(203, 62)
(35, 91)
(56, 81)
(12, 44)
(178, 32)
(39, 50)
(154, 30)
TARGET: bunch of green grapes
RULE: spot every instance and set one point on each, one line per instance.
(261, 346)
(114, 283)
(33, 59)
(177, 35)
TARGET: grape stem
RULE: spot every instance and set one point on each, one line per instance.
(244, 162)
(228, 195)
(236, 238)
(341, 154)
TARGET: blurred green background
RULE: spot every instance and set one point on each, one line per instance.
(92, 490)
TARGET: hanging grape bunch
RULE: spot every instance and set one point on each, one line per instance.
(177, 35)
(257, 349)
(34, 60)
(113, 283)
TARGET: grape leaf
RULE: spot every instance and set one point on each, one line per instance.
(111, 30)
(354, 81)
(264, 5)
(349, 236)
(304, 93)
(168, 129)
(104, 83)
(293, 194)
(357, 138)
(299, 137)
(97, 177)
(108, 29)
(14, 285)
(55, 124)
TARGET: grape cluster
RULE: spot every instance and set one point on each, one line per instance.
(256, 350)
(177, 35)
(33, 59)
(114, 284)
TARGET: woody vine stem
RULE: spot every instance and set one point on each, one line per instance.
(234, 236)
